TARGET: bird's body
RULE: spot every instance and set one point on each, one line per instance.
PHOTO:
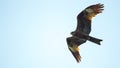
(81, 34)
(86, 26)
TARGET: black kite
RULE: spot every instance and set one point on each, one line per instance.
(81, 34)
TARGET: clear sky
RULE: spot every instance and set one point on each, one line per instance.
(33, 34)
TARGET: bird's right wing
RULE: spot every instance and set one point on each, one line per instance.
(87, 14)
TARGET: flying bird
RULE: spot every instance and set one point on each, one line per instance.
(81, 34)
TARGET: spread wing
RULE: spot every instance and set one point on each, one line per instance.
(73, 47)
(85, 17)
(73, 43)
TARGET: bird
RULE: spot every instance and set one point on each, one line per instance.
(81, 34)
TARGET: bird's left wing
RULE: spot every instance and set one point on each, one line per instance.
(73, 47)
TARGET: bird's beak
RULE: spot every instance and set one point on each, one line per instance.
(75, 52)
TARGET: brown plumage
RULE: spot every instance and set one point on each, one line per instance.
(81, 34)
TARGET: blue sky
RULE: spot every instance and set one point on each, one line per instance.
(33, 34)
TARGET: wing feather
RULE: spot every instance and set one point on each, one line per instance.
(84, 18)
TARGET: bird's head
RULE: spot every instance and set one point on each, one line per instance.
(73, 33)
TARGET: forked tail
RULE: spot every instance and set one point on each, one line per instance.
(95, 40)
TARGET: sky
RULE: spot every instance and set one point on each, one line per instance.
(33, 34)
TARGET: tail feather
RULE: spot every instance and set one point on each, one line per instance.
(95, 40)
